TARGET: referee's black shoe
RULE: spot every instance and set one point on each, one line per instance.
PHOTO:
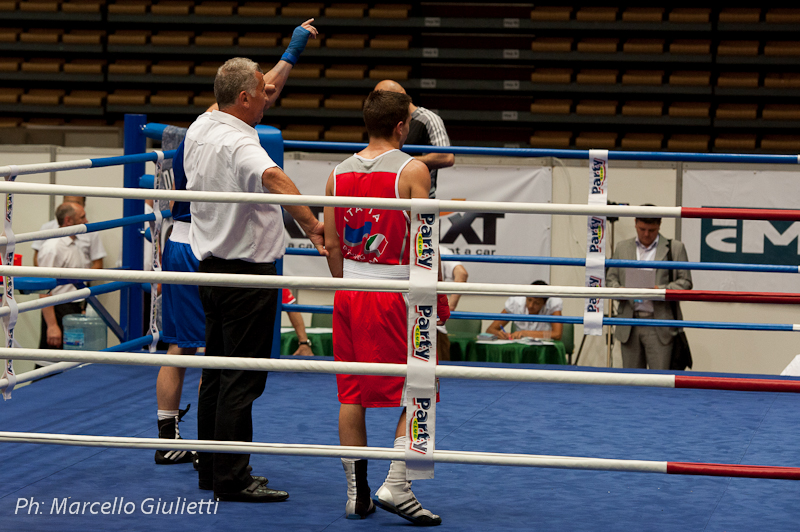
(255, 492)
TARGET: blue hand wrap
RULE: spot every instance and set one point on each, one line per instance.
(297, 45)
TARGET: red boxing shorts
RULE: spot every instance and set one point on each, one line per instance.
(370, 327)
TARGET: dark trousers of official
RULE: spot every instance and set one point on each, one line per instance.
(62, 310)
(239, 323)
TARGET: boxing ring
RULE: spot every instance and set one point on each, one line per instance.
(490, 418)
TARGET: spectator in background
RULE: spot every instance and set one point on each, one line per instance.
(649, 347)
(303, 341)
(63, 252)
(426, 129)
(454, 272)
(543, 306)
(89, 243)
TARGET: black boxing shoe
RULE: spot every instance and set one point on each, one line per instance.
(208, 485)
(255, 492)
(168, 429)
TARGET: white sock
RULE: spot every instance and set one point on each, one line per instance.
(397, 470)
(167, 414)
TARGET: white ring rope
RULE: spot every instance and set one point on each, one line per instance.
(340, 201)
(44, 168)
(49, 301)
(46, 234)
(337, 451)
(346, 368)
(325, 283)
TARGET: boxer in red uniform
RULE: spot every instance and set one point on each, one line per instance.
(372, 326)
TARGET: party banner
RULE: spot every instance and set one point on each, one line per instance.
(473, 233)
(596, 242)
(742, 241)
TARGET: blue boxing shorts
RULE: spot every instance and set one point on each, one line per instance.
(183, 319)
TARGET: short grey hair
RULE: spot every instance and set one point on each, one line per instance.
(64, 210)
(235, 76)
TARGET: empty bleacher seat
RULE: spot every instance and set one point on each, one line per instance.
(689, 143)
(172, 38)
(738, 79)
(552, 44)
(740, 15)
(552, 75)
(41, 35)
(345, 101)
(598, 45)
(42, 97)
(258, 9)
(39, 6)
(129, 37)
(690, 77)
(42, 64)
(302, 9)
(207, 68)
(643, 77)
(129, 66)
(690, 15)
(783, 16)
(782, 48)
(397, 11)
(83, 37)
(780, 111)
(10, 64)
(643, 14)
(690, 109)
(205, 99)
(744, 48)
(10, 95)
(641, 108)
(395, 72)
(216, 38)
(782, 80)
(346, 72)
(551, 107)
(129, 7)
(597, 76)
(215, 9)
(301, 101)
(82, 6)
(346, 10)
(596, 140)
(128, 97)
(172, 7)
(84, 66)
(172, 68)
(597, 14)
(302, 132)
(83, 98)
(345, 134)
(259, 40)
(6, 5)
(10, 121)
(10, 34)
(167, 98)
(551, 13)
(390, 42)
(597, 107)
(346, 41)
(690, 46)
(551, 139)
(642, 141)
(735, 141)
(643, 46)
(784, 143)
(737, 111)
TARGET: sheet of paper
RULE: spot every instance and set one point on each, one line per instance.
(640, 278)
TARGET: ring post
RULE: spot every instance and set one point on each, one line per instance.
(130, 311)
(272, 141)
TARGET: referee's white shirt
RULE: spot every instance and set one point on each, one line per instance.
(223, 154)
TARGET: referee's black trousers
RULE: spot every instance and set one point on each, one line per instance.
(239, 323)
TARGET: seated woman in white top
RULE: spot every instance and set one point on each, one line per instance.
(546, 306)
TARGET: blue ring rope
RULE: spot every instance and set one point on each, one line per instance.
(129, 159)
(316, 309)
(121, 222)
(564, 261)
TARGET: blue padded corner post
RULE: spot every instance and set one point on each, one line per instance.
(130, 311)
(272, 141)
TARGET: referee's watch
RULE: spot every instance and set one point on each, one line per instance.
(307, 342)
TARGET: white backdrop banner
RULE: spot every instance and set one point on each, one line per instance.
(742, 241)
(472, 233)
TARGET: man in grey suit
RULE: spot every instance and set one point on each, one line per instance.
(651, 347)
